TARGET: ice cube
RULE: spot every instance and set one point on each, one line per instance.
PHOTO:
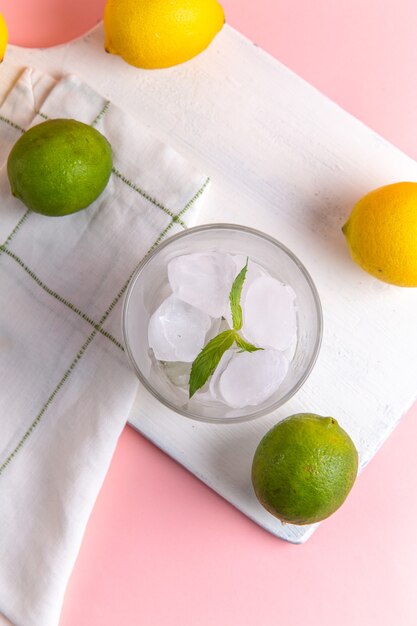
(254, 271)
(203, 280)
(218, 372)
(178, 373)
(214, 329)
(250, 378)
(269, 314)
(177, 330)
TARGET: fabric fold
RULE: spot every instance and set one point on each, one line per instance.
(66, 386)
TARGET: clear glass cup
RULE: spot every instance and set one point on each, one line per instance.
(149, 287)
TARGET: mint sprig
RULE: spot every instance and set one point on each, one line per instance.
(208, 359)
(235, 295)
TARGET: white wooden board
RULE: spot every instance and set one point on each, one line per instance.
(286, 160)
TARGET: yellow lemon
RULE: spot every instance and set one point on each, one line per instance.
(381, 233)
(160, 33)
(3, 37)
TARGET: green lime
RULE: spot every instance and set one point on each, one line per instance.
(304, 468)
(59, 167)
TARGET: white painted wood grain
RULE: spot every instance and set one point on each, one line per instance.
(284, 159)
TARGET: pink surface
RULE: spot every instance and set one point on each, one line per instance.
(161, 549)
(43, 23)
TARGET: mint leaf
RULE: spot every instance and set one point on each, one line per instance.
(245, 345)
(234, 297)
(208, 359)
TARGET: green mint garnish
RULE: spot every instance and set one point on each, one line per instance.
(234, 297)
(245, 346)
(209, 357)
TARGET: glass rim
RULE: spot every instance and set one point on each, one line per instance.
(256, 413)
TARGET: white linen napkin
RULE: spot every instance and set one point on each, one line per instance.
(66, 387)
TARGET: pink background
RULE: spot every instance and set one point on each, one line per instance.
(161, 549)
